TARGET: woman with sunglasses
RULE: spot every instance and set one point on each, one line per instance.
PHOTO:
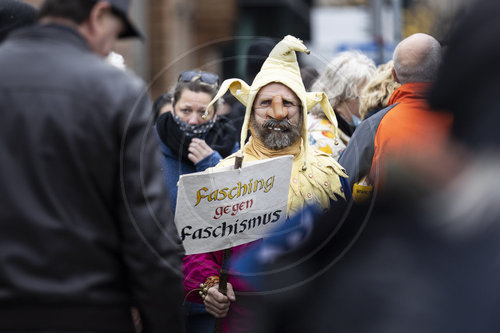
(189, 142)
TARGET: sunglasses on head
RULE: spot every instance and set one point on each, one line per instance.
(205, 77)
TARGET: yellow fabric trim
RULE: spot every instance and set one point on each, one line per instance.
(316, 185)
(256, 148)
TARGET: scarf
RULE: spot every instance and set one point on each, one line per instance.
(256, 148)
(176, 134)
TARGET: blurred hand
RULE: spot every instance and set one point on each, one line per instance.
(198, 150)
(216, 303)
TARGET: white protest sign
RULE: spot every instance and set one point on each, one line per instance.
(222, 208)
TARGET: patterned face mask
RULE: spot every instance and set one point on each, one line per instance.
(194, 131)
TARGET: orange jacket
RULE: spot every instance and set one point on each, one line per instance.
(410, 128)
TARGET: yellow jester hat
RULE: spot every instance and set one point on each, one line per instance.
(280, 66)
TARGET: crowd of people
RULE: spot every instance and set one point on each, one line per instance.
(392, 219)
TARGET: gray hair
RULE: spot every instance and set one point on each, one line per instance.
(342, 77)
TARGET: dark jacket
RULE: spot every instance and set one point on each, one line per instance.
(401, 263)
(357, 157)
(174, 145)
(173, 168)
(407, 127)
(85, 230)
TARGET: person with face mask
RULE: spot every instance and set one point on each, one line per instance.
(189, 141)
(342, 81)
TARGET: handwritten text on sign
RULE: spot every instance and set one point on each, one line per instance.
(222, 208)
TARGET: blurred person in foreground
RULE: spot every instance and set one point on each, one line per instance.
(342, 80)
(86, 234)
(424, 255)
(276, 108)
(408, 125)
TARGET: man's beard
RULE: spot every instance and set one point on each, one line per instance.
(274, 139)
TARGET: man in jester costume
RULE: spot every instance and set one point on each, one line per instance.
(276, 108)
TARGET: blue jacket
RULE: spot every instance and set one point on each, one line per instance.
(173, 168)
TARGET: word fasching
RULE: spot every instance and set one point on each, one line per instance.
(241, 189)
(227, 229)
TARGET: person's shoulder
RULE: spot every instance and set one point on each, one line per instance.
(225, 162)
(377, 117)
(118, 78)
(324, 161)
(323, 175)
(369, 126)
(111, 85)
(229, 161)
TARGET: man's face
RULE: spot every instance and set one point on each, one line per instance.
(277, 116)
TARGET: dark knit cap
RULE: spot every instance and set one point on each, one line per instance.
(15, 14)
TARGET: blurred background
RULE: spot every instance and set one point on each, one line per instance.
(214, 35)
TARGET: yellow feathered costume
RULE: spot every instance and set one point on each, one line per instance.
(315, 175)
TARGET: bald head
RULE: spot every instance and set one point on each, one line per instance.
(417, 58)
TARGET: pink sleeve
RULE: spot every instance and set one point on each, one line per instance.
(197, 268)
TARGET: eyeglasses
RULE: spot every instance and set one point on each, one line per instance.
(205, 77)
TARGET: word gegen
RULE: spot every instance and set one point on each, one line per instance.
(232, 209)
(241, 189)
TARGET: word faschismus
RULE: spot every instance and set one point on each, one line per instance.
(226, 229)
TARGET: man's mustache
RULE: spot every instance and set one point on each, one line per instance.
(283, 125)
